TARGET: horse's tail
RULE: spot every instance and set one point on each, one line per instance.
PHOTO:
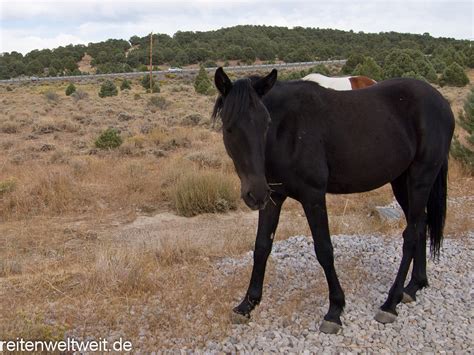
(436, 210)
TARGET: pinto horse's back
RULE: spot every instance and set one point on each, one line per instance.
(360, 82)
(341, 83)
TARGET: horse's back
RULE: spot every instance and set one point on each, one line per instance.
(392, 123)
(409, 105)
(386, 126)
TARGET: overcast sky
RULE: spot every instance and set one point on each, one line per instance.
(36, 24)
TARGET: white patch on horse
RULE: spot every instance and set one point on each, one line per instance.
(341, 83)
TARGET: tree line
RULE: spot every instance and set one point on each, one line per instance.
(395, 53)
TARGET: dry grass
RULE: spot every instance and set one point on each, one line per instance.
(205, 192)
(71, 260)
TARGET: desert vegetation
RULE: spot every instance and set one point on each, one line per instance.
(462, 147)
(95, 198)
(247, 45)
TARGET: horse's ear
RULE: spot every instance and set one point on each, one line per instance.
(222, 81)
(264, 85)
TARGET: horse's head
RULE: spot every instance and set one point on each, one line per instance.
(245, 121)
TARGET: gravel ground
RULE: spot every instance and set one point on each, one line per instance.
(295, 300)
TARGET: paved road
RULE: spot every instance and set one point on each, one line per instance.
(180, 71)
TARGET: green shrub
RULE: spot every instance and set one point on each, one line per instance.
(465, 152)
(154, 83)
(210, 64)
(320, 69)
(108, 88)
(413, 75)
(409, 63)
(426, 70)
(204, 192)
(398, 62)
(469, 55)
(70, 89)
(299, 74)
(126, 85)
(370, 69)
(7, 186)
(157, 101)
(438, 64)
(454, 75)
(352, 62)
(109, 139)
(291, 75)
(202, 83)
(449, 55)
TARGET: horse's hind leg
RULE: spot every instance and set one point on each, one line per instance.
(418, 276)
(420, 181)
(267, 224)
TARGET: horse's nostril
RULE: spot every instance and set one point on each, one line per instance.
(249, 194)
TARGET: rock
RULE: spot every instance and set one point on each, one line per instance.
(296, 300)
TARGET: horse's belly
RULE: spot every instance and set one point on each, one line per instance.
(365, 171)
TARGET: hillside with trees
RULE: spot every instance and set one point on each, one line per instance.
(381, 55)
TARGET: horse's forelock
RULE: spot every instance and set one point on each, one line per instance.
(240, 97)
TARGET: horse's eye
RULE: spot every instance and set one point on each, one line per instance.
(228, 130)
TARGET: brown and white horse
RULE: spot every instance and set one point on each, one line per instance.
(341, 83)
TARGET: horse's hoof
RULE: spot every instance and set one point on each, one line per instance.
(407, 298)
(239, 318)
(328, 327)
(385, 317)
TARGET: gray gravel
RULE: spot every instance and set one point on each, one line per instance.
(295, 300)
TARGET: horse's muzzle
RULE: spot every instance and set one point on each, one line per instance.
(256, 201)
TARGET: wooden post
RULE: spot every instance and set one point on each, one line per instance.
(151, 62)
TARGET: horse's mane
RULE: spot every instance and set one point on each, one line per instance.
(232, 106)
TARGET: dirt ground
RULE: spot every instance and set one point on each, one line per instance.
(90, 243)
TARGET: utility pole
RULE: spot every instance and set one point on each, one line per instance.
(151, 62)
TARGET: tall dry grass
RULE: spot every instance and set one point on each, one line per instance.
(205, 192)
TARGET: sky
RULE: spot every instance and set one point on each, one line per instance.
(36, 24)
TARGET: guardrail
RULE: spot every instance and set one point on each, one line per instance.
(181, 71)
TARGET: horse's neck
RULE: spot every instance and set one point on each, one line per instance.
(331, 83)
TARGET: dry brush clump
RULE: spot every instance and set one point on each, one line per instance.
(123, 271)
(51, 96)
(205, 192)
(9, 127)
(46, 125)
(43, 191)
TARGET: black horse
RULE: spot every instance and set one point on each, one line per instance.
(297, 139)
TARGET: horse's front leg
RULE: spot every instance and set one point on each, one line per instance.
(267, 224)
(318, 221)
